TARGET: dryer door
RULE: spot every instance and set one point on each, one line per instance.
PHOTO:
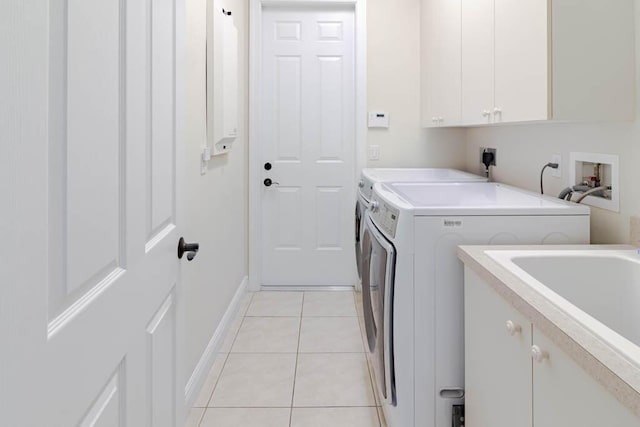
(358, 230)
(377, 285)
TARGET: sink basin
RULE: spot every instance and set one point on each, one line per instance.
(600, 289)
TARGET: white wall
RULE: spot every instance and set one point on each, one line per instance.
(393, 56)
(216, 211)
(523, 150)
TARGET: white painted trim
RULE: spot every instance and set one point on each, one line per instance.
(308, 288)
(199, 375)
(255, 168)
(180, 59)
(255, 241)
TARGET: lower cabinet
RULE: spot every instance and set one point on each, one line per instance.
(516, 377)
(498, 386)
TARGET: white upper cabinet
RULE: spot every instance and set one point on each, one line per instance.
(530, 60)
(477, 61)
(521, 61)
(441, 68)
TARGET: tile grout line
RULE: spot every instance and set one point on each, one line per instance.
(226, 359)
(298, 353)
(204, 411)
(363, 335)
(224, 364)
(288, 407)
(295, 370)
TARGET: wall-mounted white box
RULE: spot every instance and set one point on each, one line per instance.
(581, 165)
(222, 77)
(379, 119)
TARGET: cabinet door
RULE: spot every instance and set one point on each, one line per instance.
(441, 56)
(521, 61)
(430, 25)
(497, 359)
(565, 395)
(477, 61)
(450, 69)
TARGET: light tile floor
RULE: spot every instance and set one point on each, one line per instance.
(291, 359)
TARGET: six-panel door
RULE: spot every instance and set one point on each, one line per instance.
(90, 313)
(307, 134)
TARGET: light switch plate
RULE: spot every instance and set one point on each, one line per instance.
(379, 119)
(374, 152)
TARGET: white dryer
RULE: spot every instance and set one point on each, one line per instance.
(369, 177)
(412, 282)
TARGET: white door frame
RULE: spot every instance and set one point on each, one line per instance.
(255, 169)
(180, 55)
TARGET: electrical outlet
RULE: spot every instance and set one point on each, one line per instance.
(490, 150)
(556, 158)
(374, 152)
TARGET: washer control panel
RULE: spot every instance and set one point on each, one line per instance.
(384, 216)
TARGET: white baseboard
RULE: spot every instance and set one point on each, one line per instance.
(307, 288)
(199, 375)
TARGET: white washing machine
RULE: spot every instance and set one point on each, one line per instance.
(412, 282)
(369, 177)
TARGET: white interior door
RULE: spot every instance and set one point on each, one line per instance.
(89, 278)
(307, 135)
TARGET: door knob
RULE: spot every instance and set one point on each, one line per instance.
(191, 249)
(267, 166)
(268, 182)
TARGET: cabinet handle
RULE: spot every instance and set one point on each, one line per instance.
(538, 354)
(497, 111)
(486, 113)
(512, 328)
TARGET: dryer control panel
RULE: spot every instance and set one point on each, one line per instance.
(384, 216)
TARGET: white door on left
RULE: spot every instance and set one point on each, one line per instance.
(89, 273)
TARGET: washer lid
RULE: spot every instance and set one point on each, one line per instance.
(372, 176)
(474, 199)
(419, 175)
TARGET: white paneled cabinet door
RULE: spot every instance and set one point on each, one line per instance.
(441, 74)
(430, 62)
(497, 361)
(307, 139)
(88, 219)
(564, 394)
(477, 61)
(521, 61)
